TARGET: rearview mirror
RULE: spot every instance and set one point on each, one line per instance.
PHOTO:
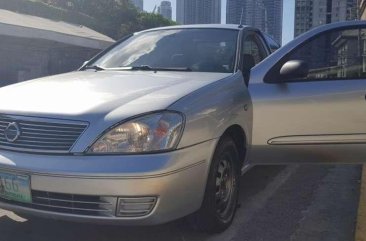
(294, 69)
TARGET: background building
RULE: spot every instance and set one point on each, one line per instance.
(165, 9)
(33, 47)
(139, 4)
(362, 10)
(303, 16)
(198, 11)
(263, 14)
(312, 13)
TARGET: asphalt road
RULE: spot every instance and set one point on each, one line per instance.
(278, 203)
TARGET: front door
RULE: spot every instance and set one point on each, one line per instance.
(319, 117)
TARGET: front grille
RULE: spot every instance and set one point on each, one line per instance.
(41, 135)
(70, 204)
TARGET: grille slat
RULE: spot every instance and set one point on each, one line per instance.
(41, 135)
(73, 208)
(5, 122)
(33, 145)
(70, 204)
(39, 130)
(30, 142)
(27, 133)
(72, 201)
(37, 123)
(54, 126)
(23, 137)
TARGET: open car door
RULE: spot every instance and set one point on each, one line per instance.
(309, 99)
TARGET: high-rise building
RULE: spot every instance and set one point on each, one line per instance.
(274, 18)
(362, 10)
(139, 4)
(303, 16)
(165, 9)
(263, 14)
(198, 11)
(312, 13)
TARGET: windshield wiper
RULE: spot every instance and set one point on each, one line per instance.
(149, 68)
(141, 67)
(94, 67)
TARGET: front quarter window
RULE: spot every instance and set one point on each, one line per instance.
(200, 50)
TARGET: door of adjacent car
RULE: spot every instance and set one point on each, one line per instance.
(253, 51)
(317, 112)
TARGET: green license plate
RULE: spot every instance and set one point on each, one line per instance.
(15, 187)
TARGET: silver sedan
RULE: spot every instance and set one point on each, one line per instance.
(161, 125)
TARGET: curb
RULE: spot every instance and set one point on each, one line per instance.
(360, 234)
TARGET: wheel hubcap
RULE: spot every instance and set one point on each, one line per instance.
(224, 188)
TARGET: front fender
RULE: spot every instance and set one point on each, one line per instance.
(212, 109)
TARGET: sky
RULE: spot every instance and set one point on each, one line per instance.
(288, 15)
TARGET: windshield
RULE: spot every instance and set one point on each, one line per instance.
(199, 50)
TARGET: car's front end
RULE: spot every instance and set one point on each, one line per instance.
(60, 182)
(118, 143)
(101, 160)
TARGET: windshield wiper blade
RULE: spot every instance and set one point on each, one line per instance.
(94, 67)
(149, 68)
(141, 67)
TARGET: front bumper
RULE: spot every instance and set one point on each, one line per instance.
(176, 181)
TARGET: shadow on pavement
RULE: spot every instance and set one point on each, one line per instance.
(46, 230)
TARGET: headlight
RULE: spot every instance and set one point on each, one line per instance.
(149, 133)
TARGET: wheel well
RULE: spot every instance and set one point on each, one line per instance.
(238, 135)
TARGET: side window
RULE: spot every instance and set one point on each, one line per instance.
(338, 54)
(253, 47)
(252, 53)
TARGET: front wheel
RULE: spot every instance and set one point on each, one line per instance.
(222, 189)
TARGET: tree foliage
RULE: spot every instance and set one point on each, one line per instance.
(116, 18)
(144, 21)
(41, 9)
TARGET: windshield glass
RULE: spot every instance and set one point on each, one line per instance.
(200, 50)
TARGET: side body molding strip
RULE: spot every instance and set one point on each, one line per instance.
(319, 139)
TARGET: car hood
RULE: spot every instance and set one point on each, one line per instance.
(84, 95)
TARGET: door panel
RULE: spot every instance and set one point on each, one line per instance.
(294, 116)
(320, 118)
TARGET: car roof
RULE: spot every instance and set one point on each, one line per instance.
(203, 26)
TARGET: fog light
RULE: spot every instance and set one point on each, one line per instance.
(135, 207)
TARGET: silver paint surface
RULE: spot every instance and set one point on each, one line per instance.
(307, 122)
(313, 122)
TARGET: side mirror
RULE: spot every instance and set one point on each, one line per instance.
(294, 69)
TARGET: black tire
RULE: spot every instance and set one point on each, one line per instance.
(220, 201)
